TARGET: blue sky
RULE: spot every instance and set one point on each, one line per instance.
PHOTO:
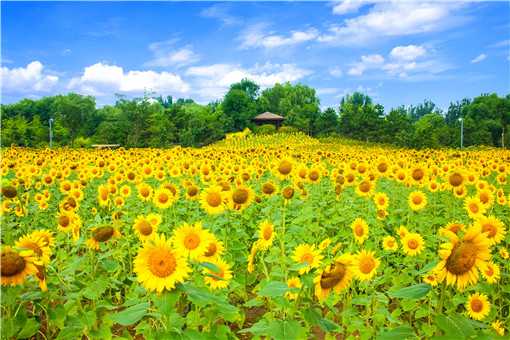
(399, 52)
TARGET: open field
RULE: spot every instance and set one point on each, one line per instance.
(280, 236)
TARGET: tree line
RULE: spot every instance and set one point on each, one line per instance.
(158, 122)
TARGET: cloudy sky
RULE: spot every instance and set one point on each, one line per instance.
(399, 52)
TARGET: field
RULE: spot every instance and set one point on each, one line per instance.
(281, 236)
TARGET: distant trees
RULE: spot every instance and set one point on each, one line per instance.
(164, 121)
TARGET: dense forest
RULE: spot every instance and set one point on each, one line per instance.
(158, 122)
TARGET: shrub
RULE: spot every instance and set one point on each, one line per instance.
(266, 129)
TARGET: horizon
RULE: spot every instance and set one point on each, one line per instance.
(442, 52)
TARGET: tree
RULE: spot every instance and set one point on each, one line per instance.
(239, 107)
(431, 131)
(76, 111)
(360, 118)
(327, 122)
(420, 110)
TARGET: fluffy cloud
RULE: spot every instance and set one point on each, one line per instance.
(180, 57)
(220, 12)
(396, 18)
(407, 53)
(348, 6)
(99, 79)
(31, 78)
(212, 81)
(479, 58)
(336, 72)
(255, 36)
(366, 62)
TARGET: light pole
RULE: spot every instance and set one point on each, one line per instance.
(461, 120)
(51, 132)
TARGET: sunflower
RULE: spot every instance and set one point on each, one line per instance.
(125, 191)
(324, 244)
(486, 197)
(498, 327)
(163, 198)
(191, 240)
(293, 282)
(336, 277)
(45, 235)
(412, 244)
(39, 247)
(360, 230)
(491, 272)
(67, 221)
(453, 227)
(402, 232)
(365, 265)
(240, 197)
(219, 278)
(284, 168)
(308, 256)
(462, 258)
(365, 188)
(154, 219)
(381, 200)
(503, 252)
(431, 279)
(266, 235)
(102, 234)
(212, 200)
(192, 192)
(478, 306)
(215, 249)
(269, 188)
(158, 266)
(389, 243)
(143, 227)
(144, 192)
(417, 200)
(16, 266)
(493, 228)
(474, 207)
(456, 179)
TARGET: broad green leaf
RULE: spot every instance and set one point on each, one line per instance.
(95, 289)
(455, 326)
(29, 329)
(412, 292)
(131, 314)
(273, 289)
(211, 266)
(313, 317)
(261, 327)
(286, 329)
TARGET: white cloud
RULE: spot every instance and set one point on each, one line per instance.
(395, 18)
(407, 53)
(99, 79)
(347, 6)
(220, 12)
(212, 81)
(179, 58)
(366, 62)
(31, 78)
(336, 72)
(255, 36)
(502, 43)
(479, 58)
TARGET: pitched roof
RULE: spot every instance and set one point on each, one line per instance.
(268, 116)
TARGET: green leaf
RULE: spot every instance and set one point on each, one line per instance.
(314, 317)
(202, 298)
(261, 327)
(455, 326)
(412, 292)
(29, 329)
(402, 332)
(211, 266)
(95, 289)
(131, 314)
(286, 329)
(274, 289)
(165, 303)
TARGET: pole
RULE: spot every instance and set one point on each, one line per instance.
(51, 132)
(461, 133)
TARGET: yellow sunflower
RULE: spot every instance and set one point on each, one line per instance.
(462, 258)
(102, 234)
(144, 192)
(143, 227)
(493, 228)
(412, 244)
(16, 266)
(402, 231)
(214, 249)
(430, 278)
(266, 235)
(293, 282)
(191, 240)
(269, 188)
(158, 266)
(335, 277)
(417, 200)
(365, 265)
(220, 278)
(360, 230)
(163, 198)
(381, 201)
(498, 327)
(474, 207)
(212, 200)
(478, 306)
(389, 243)
(240, 197)
(307, 255)
(41, 251)
(365, 188)
(491, 272)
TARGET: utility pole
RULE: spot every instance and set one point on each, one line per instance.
(51, 132)
(461, 120)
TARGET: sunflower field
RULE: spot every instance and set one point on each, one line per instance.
(255, 237)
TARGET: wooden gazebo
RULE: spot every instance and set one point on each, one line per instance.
(268, 118)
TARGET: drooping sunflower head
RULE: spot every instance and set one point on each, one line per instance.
(102, 234)
(16, 266)
(143, 228)
(266, 235)
(335, 277)
(39, 247)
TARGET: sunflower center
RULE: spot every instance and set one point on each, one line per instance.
(364, 187)
(314, 175)
(412, 244)
(268, 231)
(285, 167)
(64, 221)
(308, 258)
(483, 197)
(462, 258)
(473, 207)
(213, 199)
(490, 229)
(489, 271)
(366, 265)
(192, 241)
(455, 228)
(103, 234)
(268, 188)
(144, 192)
(288, 192)
(192, 191)
(418, 174)
(390, 243)
(9, 191)
(382, 167)
(12, 264)
(163, 198)
(476, 305)
(145, 228)
(211, 249)
(330, 279)
(358, 230)
(162, 263)
(455, 179)
(240, 196)
(417, 199)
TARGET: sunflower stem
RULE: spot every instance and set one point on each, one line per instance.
(282, 245)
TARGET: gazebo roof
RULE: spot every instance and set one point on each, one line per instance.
(268, 116)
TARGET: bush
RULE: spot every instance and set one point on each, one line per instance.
(266, 129)
(82, 142)
(288, 129)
